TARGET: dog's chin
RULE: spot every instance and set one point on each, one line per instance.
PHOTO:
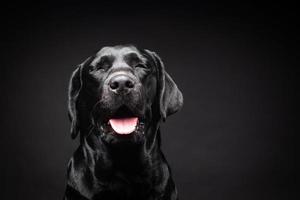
(123, 126)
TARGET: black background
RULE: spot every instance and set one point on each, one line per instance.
(235, 64)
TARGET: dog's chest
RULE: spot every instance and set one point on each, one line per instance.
(124, 187)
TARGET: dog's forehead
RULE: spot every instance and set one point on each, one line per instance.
(118, 52)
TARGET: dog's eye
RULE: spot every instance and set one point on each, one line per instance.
(103, 66)
(141, 65)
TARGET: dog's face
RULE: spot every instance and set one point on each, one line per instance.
(121, 93)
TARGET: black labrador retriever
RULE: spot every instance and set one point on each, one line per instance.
(117, 100)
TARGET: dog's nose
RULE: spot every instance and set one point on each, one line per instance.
(121, 83)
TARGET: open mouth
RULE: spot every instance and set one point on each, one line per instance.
(123, 122)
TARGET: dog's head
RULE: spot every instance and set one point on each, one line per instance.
(121, 93)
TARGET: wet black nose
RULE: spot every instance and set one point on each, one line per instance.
(121, 83)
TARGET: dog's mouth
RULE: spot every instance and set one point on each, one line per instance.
(123, 122)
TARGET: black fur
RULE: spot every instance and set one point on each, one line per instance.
(108, 166)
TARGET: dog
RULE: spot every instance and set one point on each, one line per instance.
(117, 100)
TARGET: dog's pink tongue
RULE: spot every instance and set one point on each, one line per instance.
(124, 125)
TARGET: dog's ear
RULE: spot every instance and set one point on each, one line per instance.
(75, 86)
(169, 96)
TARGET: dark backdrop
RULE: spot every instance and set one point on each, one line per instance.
(235, 64)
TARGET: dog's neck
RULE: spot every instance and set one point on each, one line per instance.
(103, 165)
(124, 157)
